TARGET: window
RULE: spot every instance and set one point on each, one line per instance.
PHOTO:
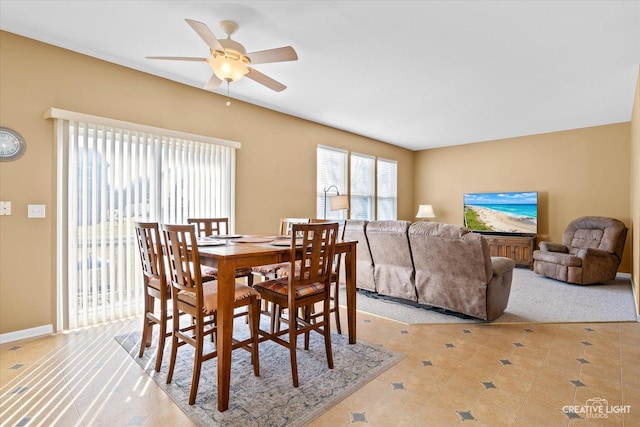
(331, 176)
(387, 189)
(111, 174)
(373, 184)
(363, 189)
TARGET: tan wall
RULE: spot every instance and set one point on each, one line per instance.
(276, 169)
(276, 165)
(578, 172)
(635, 194)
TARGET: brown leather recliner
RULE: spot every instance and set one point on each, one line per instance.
(590, 252)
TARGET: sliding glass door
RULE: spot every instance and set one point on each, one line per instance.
(110, 176)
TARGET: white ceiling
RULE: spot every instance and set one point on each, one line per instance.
(417, 74)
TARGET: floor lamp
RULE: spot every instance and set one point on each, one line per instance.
(337, 202)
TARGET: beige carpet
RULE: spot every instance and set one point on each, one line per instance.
(533, 298)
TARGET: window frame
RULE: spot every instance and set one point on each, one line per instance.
(349, 173)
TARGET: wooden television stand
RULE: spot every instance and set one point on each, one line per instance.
(518, 248)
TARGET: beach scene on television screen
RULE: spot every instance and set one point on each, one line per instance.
(515, 212)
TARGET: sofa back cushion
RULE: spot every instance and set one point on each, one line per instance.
(607, 234)
(355, 230)
(453, 267)
(391, 255)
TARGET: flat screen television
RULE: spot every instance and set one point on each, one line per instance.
(513, 212)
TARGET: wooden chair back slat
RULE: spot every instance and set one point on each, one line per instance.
(210, 226)
(182, 254)
(150, 249)
(287, 223)
(318, 247)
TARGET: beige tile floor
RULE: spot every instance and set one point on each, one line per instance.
(454, 374)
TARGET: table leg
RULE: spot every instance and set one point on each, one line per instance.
(226, 292)
(350, 277)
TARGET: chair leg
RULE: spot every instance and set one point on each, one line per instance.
(306, 315)
(276, 313)
(327, 334)
(293, 340)
(215, 322)
(336, 306)
(197, 360)
(162, 335)
(174, 343)
(145, 340)
(254, 324)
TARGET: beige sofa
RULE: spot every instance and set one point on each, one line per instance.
(434, 264)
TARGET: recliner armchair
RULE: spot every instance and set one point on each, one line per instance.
(590, 252)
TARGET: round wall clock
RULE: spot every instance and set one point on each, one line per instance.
(12, 145)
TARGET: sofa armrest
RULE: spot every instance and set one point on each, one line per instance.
(502, 265)
(553, 247)
(592, 252)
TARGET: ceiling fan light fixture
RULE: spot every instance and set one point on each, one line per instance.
(228, 69)
(229, 59)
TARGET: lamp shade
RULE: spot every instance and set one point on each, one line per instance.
(339, 202)
(425, 211)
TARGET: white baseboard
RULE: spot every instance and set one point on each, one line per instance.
(26, 333)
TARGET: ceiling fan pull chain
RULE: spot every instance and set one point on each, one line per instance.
(228, 100)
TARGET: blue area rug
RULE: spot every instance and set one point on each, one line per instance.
(271, 399)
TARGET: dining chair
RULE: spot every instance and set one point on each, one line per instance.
(210, 226)
(271, 271)
(199, 300)
(215, 227)
(301, 290)
(335, 278)
(335, 273)
(155, 287)
(286, 224)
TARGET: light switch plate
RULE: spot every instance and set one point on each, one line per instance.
(5, 208)
(35, 211)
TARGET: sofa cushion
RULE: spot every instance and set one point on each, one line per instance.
(568, 260)
(391, 255)
(453, 267)
(445, 235)
(355, 230)
(607, 234)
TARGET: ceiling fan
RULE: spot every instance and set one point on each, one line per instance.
(229, 59)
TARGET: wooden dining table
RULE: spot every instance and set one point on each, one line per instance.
(253, 251)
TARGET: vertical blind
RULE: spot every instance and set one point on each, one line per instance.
(387, 189)
(363, 190)
(111, 174)
(331, 170)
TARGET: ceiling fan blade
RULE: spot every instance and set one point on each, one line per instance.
(265, 80)
(280, 54)
(178, 58)
(205, 34)
(213, 83)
